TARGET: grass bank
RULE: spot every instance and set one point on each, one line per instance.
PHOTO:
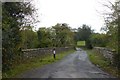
(100, 61)
(34, 63)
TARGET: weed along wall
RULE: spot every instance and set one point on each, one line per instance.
(107, 53)
(42, 52)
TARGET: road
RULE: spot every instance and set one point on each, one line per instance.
(76, 65)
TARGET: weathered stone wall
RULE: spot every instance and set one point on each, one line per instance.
(42, 52)
(107, 53)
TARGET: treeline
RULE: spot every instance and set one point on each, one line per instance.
(60, 35)
(83, 33)
(92, 39)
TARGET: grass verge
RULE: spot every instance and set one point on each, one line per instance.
(34, 63)
(103, 63)
(81, 43)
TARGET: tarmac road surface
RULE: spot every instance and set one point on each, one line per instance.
(76, 65)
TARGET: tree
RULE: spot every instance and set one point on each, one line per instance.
(13, 18)
(99, 40)
(63, 35)
(29, 39)
(112, 23)
(113, 28)
(44, 37)
(83, 34)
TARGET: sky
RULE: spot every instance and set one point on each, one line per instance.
(73, 12)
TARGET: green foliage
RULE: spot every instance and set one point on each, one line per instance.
(81, 43)
(99, 40)
(29, 39)
(13, 15)
(59, 35)
(113, 28)
(44, 37)
(113, 39)
(83, 34)
(63, 35)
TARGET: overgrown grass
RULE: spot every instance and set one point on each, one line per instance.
(103, 63)
(81, 43)
(34, 63)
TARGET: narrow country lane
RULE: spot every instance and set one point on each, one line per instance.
(76, 65)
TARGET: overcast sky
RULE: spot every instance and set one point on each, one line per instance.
(73, 12)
